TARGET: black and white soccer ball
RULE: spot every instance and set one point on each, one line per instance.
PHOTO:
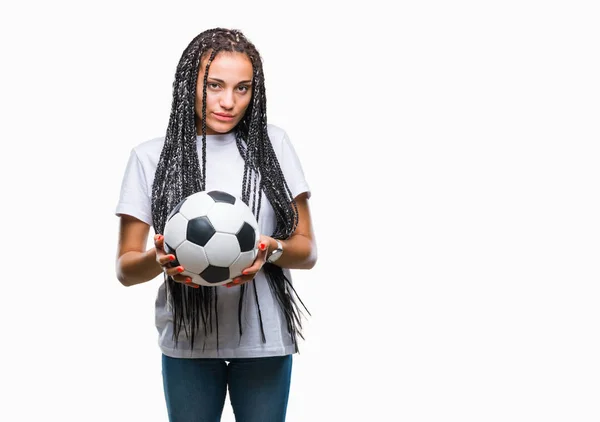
(213, 235)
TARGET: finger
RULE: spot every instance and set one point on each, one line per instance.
(247, 274)
(255, 267)
(238, 281)
(174, 270)
(262, 245)
(159, 244)
(233, 283)
(251, 271)
(242, 280)
(166, 260)
(262, 255)
(188, 282)
(185, 280)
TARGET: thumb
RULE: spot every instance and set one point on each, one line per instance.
(263, 245)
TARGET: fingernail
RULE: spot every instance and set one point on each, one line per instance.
(172, 257)
(228, 285)
(236, 280)
(180, 269)
(262, 246)
(188, 280)
(244, 272)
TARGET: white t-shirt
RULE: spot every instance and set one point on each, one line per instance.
(224, 172)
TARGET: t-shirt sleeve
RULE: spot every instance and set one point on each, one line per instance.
(292, 168)
(135, 199)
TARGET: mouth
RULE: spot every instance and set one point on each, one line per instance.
(223, 117)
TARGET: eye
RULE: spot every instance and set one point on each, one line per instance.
(244, 88)
(212, 85)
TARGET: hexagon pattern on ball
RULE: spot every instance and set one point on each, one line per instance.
(176, 234)
(175, 210)
(214, 274)
(213, 235)
(196, 205)
(199, 230)
(246, 237)
(247, 215)
(239, 264)
(222, 249)
(220, 196)
(192, 257)
(225, 218)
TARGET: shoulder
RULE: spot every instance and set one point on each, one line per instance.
(150, 147)
(148, 152)
(279, 138)
(288, 160)
(276, 133)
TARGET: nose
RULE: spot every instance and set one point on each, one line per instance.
(227, 99)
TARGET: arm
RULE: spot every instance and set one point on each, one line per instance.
(135, 264)
(300, 249)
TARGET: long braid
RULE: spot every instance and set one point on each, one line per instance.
(179, 174)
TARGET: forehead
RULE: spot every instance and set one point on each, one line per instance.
(228, 65)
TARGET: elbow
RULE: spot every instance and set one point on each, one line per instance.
(136, 267)
(311, 261)
(123, 279)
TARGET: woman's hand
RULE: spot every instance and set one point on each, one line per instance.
(249, 273)
(164, 260)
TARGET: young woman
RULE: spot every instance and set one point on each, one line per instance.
(239, 337)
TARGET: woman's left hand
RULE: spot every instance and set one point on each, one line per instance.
(249, 273)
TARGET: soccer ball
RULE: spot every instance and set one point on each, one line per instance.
(213, 235)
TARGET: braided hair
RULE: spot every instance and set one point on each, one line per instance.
(179, 174)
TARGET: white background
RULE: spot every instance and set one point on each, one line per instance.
(452, 151)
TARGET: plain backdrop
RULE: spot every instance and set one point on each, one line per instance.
(452, 150)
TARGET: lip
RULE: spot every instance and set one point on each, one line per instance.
(223, 117)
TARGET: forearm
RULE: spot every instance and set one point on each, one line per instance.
(298, 252)
(137, 267)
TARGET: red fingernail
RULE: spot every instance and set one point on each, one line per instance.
(244, 272)
(180, 269)
(172, 257)
(228, 285)
(188, 280)
(262, 246)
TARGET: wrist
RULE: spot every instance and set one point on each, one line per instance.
(272, 245)
(275, 251)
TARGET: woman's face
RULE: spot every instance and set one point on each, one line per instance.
(228, 91)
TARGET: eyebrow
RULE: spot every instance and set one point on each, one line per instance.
(222, 81)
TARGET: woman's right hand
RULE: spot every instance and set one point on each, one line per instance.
(164, 260)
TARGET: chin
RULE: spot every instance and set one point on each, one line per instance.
(216, 127)
(221, 127)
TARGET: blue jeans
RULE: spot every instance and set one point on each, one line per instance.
(195, 389)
